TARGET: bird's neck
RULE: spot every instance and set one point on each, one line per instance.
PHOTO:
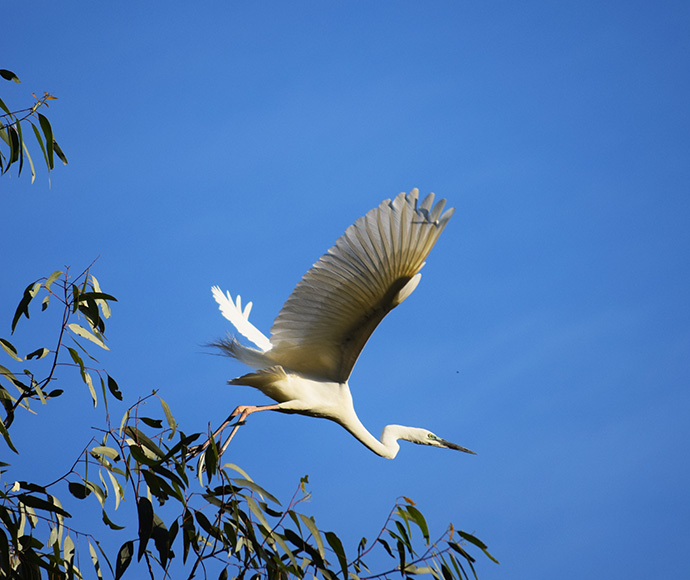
(347, 417)
(387, 447)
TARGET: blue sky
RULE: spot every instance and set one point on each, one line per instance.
(231, 143)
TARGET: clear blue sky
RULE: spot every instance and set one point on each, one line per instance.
(231, 143)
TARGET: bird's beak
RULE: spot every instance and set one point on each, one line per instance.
(450, 445)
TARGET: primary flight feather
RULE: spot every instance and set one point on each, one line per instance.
(325, 323)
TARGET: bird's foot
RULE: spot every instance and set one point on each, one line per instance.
(243, 411)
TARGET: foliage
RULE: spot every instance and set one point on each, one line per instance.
(191, 520)
(12, 127)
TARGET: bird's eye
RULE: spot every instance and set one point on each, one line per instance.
(431, 436)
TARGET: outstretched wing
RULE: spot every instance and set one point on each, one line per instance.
(372, 268)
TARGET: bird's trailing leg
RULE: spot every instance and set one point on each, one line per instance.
(243, 411)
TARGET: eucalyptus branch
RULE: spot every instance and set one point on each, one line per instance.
(30, 111)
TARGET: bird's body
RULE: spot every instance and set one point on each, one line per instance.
(320, 331)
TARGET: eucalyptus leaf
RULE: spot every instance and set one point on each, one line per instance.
(145, 511)
(78, 490)
(9, 348)
(54, 276)
(8, 75)
(107, 521)
(37, 354)
(81, 331)
(337, 546)
(48, 133)
(114, 388)
(124, 558)
(94, 559)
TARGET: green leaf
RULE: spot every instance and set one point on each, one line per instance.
(109, 523)
(169, 474)
(81, 331)
(23, 308)
(169, 418)
(158, 487)
(404, 537)
(239, 470)
(401, 553)
(211, 459)
(84, 296)
(28, 486)
(8, 75)
(21, 147)
(97, 490)
(477, 542)
(207, 526)
(89, 383)
(15, 145)
(41, 504)
(447, 574)
(258, 513)
(68, 551)
(78, 490)
(105, 307)
(311, 525)
(33, 173)
(114, 389)
(48, 132)
(161, 540)
(386, 546)
(172, 533)
(9, 349)
(140, 456)
(39, 138)
(58, 151)
(54, 276)
(155, 423)
(6, 435)
(256, 488)
(37, 354)
(457, 566)
(285, 548)
(94, 559)
(117, 489)
(4, 552)
(337, 546)
(418, 518)
(145, 511)
(188, 534)
(77, 359)
(107, 451)
(5, 372)
(124, 558)
(142, 439)
(38, 390)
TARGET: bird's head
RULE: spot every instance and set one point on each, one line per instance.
(421, 437)
(436, 441)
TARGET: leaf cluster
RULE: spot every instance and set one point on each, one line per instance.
(12, 127)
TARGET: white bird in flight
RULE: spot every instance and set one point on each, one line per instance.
(322, 328)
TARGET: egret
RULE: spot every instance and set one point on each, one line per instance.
(321, 329)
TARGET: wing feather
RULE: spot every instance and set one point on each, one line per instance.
(330, 315)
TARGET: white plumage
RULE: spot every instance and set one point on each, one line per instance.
(324, 324)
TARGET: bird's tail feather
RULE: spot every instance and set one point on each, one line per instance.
(250, 356)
